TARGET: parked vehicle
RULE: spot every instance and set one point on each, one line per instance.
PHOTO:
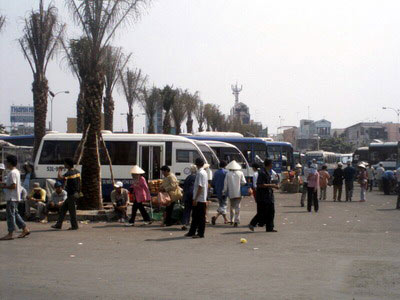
(328, 159)
(385, 153)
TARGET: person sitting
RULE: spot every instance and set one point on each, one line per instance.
(37, 200)
(120, 201)
(57, 198)
(169, 185)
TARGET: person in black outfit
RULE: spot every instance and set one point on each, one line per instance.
(349, 174)
(337, 182)
(188, 187)
(265, 199)
(72, 182)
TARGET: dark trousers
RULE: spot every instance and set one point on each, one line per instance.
(312, 198)
(198, 219)
(265, 215)
(139, 206)
(68, 205)
(186, 212)
(398, 196)
(349, 187)
(168, 214)
(370, 184)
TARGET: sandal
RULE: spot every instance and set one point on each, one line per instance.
(6, 238)
(24, 234)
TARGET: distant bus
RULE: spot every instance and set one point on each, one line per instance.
(322, 158)
(257, 150)
(385, 153)
(19, 140)
(149, 151)
(345, 158)
(360, 155)
(209, 154)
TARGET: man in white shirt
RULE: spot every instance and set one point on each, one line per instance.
(12, 195)
(379, 172)
(234, 180)
(199, 202)
(371, 177)
(306, 172)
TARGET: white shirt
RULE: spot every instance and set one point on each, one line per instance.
(255, 177)
(201, 180)
(371, 173)
(306, 173)
(232, 184)
(13, 177)
(379, 172)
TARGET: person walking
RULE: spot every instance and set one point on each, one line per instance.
(120, 201)
(218, 186)
(140, 193)
(371, 177)
(312, 189)
(323, 182)
(188, 187)
(170, 185)
(234, 180)
(349, 174)
(398, 187)
(265, 199)
(12, 195)
(72, 183)
(337, 182)
(379, 172)
(306, 172)
(363, 181)
(199, 202)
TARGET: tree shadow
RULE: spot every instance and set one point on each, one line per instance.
(241, 232)
(168, 239)
(295, 212)
(291, 206)
(387, 209)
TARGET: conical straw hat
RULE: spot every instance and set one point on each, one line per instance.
(233, 165)
(137, 170)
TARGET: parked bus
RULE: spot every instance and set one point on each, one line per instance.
(328, 159)
(229, 152)
(257, 150)
(385, 153)
(19, 140)
(149, 151)
(360, 155)
(209, 154)
(299, 158)
(345, 158)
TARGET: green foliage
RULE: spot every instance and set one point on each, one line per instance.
(336, 144)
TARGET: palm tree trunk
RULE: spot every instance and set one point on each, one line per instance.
(108, 111)
(91, 179)
(167, 123)
(150, 129)
(80, 112)
(129, 120)
(40, 91)
(189, 124)
(178, 129)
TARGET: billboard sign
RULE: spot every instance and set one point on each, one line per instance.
(22, 114)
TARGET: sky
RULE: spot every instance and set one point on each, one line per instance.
(338, 60)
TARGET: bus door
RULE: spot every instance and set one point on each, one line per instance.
(151, 159)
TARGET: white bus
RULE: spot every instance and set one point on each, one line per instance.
(149, 151)
(229, 152)
(328, 159)
(209, 154)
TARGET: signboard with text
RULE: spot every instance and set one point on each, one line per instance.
(22, 114)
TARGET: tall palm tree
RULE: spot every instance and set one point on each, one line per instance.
(132, 85)
(191, 103)
(208, 114)
(99, 20)
(178, 110)
(151, 102)
(199, 113)
(114, 61)
(168, 95)
(42, 33)
(2, 21)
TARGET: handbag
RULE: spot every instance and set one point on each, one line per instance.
(163, 199)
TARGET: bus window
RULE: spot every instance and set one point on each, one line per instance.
(274, 153)
(54, 152)
(121, 153)
(287, 156)
(186, 156)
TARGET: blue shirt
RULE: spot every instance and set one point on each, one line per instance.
(218, 182)
(349, 174)
(388, 175)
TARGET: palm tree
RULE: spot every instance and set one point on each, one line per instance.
(114, 61)
(199, 113)
(191, 102)
(178, 110)
(208, 114)
(151, 102)
(99, 20)
(132, 85)
(168, 97)
(42, 33)
(2, 21)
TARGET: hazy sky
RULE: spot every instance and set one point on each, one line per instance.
(340, 58)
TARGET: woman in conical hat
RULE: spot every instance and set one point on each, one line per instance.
(234, 180)
(139, 193)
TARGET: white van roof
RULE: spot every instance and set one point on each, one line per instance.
(218, 134)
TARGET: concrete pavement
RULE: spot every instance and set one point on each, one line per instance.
(345, 251)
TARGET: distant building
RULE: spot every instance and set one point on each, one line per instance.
(322, 128)
(393, 131)
(72, 124)
(239, 110)
(157, 121)
(337, 132)
(310, 132)
(361, 134)
(290, 135)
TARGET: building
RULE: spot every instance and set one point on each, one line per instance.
(290, 135)
(322, 128)
(239, 110)
(393, 131)
(310, 132)
(157, 121)
(337, 132)
(362, 134)
(72, 124)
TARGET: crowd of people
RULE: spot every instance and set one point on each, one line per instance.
(228, 183)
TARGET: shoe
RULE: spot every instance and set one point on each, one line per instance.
(55, 227)
(189, 235)
(235, 224)
(251, 227)
(213, 220)
(129, 224)
(24, 234)
(184, 227)
(44, 221)
(273, 230)
(198, 237)
(73, 228)
(6, 238)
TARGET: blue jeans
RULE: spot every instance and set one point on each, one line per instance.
(13, 217)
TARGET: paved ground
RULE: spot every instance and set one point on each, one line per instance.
(346, 251)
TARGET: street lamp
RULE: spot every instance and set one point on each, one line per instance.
(52, 96)
(397, 111)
